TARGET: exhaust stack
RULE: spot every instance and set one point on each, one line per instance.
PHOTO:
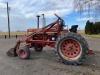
(43, 21)
(38, 21)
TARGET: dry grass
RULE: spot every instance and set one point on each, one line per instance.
(24, 33)
(86, 35)
(12, 33)
(92, 36)
(81, 31)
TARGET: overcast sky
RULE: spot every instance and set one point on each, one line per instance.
(23, 13)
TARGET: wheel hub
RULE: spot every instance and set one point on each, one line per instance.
(70, 48)
(22, 53)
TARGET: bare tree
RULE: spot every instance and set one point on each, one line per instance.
(88, 6)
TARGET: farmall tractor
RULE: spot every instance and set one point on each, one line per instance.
(70, 47)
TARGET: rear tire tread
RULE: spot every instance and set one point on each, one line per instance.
(84, 44)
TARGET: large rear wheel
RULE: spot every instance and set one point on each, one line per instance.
(71, 48)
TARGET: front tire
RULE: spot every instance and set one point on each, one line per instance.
(24, 53)
(71, 48)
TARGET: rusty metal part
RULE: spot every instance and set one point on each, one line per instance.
(91, 52)
(11, 52)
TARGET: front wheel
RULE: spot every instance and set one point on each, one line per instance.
(24, 53)
(71, 48)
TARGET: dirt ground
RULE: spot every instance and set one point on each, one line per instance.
(46, 62)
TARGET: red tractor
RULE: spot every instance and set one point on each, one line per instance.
(70, 47)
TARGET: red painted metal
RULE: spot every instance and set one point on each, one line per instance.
(42, 36)
(47, 36)
(64, 31)
(22, 54)
(70, 48)
(43, 42)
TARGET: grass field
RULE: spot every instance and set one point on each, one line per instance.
(12, 33)
(92, 36)
(24, 33)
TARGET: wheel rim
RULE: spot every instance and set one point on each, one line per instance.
(22, 54)
(70, 48)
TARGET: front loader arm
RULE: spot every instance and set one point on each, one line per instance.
(13, 51)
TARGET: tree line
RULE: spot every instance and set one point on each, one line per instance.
(92, 28)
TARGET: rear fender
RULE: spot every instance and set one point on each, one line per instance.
(64, 32)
